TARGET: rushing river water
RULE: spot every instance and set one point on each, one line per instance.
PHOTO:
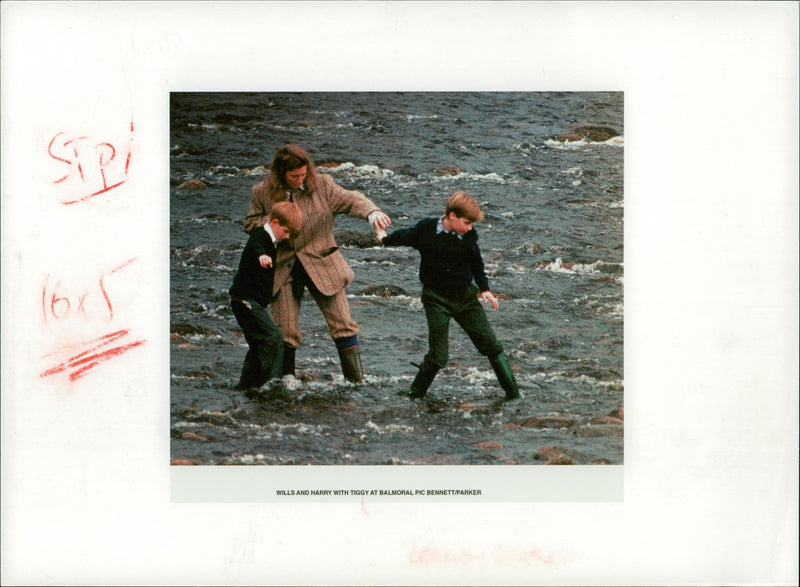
(552, 242)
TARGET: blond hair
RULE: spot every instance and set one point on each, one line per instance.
(464, 206)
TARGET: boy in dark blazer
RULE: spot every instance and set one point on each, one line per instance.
(450, 262)
(251, 293)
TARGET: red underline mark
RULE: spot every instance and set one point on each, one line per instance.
(79, 364)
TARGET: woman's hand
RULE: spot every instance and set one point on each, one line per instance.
(381, 221)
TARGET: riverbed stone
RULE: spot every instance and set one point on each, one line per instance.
(593, 431)
(192, 184)
(384, 291)
(606, 421)
(354, 238)
(560, 459)
(547, 422)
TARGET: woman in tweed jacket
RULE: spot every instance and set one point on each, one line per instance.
(311, 258)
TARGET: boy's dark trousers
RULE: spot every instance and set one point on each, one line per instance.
(467, 311)
(265, 356)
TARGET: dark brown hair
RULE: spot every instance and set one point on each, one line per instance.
(289, 158)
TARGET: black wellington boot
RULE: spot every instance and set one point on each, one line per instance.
(351, 364)
(288, 360)
(502, 368)
(423, 380)
(251, 372)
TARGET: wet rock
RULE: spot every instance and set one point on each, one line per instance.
(547, 422)
(560, 459)
(548, 452)
(568, 136)
(352, 238)
(188, 329)
(384, 291)
(403, 169)
(502, 296)
(329, 164)
(591, 431)
(217, 217)
(187, 346)
(510, 426)
(589, 132)
(606, 421)
(466, 406)
(192, 184)
(447, 171)
(199, 375)
(193, 436)
(601, 462)
(489, 445)
(619, 413)
(182, 462)
(534, 248)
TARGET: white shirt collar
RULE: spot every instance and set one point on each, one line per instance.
(270, 233)
(440, 228)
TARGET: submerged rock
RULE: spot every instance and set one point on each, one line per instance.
(188, 329)
(193, 436)
(489, 445)
(590, 132)
(384, 291)
(182, 462)
(192, 184)
(548, 452)
(607, 421)
(217, 217)
(547, 422)
(593, 431)
(352, 238)
(560, 460)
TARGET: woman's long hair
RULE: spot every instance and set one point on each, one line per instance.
(289, 158)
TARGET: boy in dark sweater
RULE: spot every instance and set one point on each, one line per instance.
(251, 293)
(450, 261)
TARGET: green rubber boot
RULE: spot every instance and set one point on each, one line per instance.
(423, 380)
(502, 368)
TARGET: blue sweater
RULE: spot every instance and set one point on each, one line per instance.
(448, 263)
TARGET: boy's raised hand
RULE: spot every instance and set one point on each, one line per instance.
(265, 261)
(488, 298)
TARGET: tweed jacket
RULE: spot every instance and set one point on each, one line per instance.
(314, 246)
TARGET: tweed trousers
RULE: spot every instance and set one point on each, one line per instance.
(335, 309)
